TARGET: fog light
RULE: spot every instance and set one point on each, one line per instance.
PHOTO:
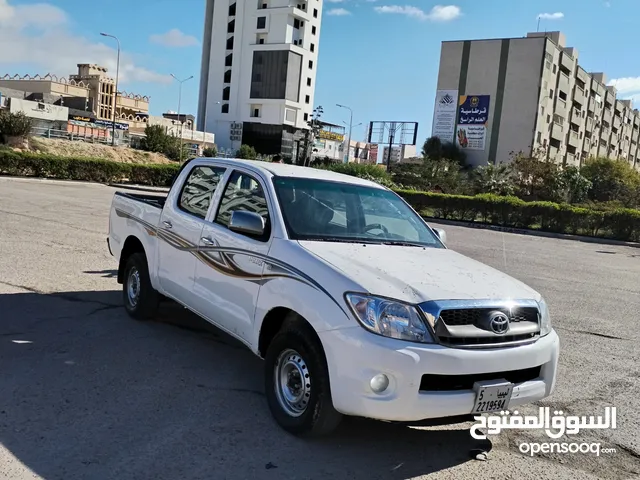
(379, 383)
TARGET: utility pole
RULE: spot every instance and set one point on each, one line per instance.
(179, 105)
(350, 127)
(115, 93)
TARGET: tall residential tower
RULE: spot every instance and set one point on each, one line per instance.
(258, 77)
(529, 94)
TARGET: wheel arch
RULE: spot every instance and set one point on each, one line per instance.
(278, 318)
(131, 245)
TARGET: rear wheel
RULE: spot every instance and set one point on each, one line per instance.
(297, 384)
(140, 298)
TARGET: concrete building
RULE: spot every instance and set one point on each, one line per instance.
(530, 94)
(398, 153)
(329, 142)
(259, 64)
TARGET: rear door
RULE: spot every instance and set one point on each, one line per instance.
(229, 273)
(179, 231)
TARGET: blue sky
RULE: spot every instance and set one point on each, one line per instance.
(380, 57)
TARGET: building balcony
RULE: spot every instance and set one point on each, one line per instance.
(136, 103)
(617, 122)
(607, 115)
(574, 138)
(557, 132)
(564, 83)
(561, 107)
(567, 61)
(572, 159)
(604, 134)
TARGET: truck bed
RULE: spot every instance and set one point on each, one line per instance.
(156, 201)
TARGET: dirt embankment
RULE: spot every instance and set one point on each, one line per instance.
(67, 148)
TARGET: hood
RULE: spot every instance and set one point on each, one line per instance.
(415, 275)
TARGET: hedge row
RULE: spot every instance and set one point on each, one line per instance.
(87, 169)
(620, 223)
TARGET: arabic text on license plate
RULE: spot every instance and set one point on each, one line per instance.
(492, 398)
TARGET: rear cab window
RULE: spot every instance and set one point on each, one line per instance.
(198, 189)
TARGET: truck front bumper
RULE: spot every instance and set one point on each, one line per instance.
(429, 381)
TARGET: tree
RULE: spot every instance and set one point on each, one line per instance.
(157, 140)
(432, 148)
(612, 180)
(210, 152)
(14, 128)
(246, 152)
(496, 179)
(537, 179)
(575, 186)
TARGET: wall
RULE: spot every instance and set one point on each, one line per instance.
(41, 111)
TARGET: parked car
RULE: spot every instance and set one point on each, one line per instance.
(351, 298)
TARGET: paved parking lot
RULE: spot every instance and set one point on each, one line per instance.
(85, 392)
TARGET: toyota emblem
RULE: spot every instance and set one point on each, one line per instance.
(499, 323)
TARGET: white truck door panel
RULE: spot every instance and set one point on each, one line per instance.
(229, 271)
(180, 229)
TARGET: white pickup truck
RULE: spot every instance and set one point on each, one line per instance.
(353, 301)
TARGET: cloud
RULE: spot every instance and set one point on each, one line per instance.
(439, 13)
(174, 38)
(551, 16)
(40, 37)
(339, 12)
(626, 84)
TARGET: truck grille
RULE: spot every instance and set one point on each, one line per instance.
(443, 383)
(476, 323)
(471, 316)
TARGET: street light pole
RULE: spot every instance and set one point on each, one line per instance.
(350, 127)
(179, 105)
(115, 93)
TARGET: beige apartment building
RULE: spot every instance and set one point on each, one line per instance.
(500, 96)
(90, 90)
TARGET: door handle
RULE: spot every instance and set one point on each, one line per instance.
(167, 224)
(207, 241)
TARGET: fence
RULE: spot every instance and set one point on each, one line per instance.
(74, 136)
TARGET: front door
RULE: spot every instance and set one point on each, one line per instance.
(229, 273)
(179, 232)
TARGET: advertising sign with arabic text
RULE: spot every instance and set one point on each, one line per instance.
(473, 116)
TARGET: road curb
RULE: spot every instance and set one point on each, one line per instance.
(535, 233)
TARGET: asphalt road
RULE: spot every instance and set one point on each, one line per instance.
(85, 392)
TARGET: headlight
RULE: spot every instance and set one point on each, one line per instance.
(545, 320)
(389, 318)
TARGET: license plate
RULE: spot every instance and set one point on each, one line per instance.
(492, 396)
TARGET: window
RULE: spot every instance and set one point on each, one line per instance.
(324, 210)
(315, 13)
(308, 82)
(229, 60)
(296, 23)
(243, 193)
(198, 189)
(310, 63)
(231, 26)
(227, 76)
(539, 139)
(225, 108)
(226, 93)
(232, 10)
(307, 99)
(262, 22)
(230, 43)
(312, 47)
(313, 30)
(306, 117)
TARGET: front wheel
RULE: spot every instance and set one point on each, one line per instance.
(297, 384)
(140, 298)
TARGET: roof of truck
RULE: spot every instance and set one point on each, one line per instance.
(286, 170)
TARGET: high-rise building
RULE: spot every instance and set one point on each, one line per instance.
(259, 63)
(530, 95)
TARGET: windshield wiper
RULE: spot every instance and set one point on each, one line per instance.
(337, 240)
(401, 243)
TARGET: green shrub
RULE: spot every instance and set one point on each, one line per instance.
(86, 169)
(358, 170)
(14, 125)
(210, 152)
(246, 152)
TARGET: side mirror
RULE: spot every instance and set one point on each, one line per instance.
(442, 235)
(247, 223)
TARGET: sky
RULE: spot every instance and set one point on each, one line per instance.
(379, 57)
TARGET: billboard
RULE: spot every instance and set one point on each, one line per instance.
(473, 116)
(444, 115)
(39, 110)
(325, 135)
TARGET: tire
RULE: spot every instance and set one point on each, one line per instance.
(140, 298)
(310, 412)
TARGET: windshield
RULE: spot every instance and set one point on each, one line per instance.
(331, 211)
